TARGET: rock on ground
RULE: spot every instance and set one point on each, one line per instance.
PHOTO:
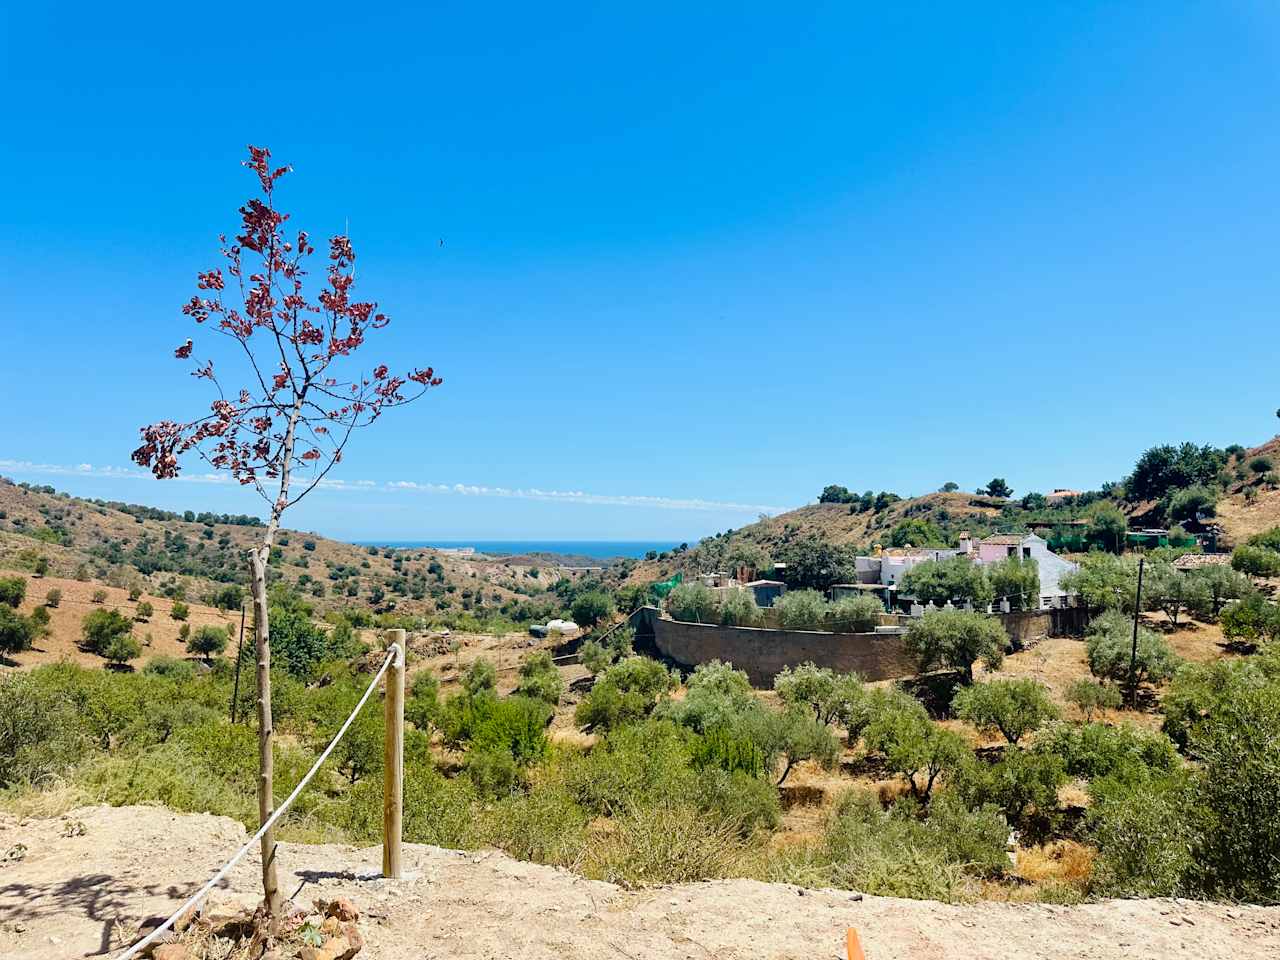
(64, 897)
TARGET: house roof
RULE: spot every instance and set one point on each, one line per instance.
(766, 583)
(1194, 561)
(1005, 539)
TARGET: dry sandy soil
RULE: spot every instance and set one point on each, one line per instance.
(77, 601)
(81, 874)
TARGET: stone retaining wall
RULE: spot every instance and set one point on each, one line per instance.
(762, 653)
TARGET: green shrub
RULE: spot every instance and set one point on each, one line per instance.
(664, 843)
(1255, 561)
(1091, 697)
(638, 764)
(544, 826)
(591, 607)
(180, 611)
(1109, 649)
(12, 591)
(207, 642)
(1095, 751)
(481, 677)
(494, 772)
(539, 678)
(627, 693)
(135, 591)
(99, 596)
(422, 707)
(515, 726)
(53, 597)
(917, 749)
(893, 853)
(738, 608)
(1143, 834)
(16, 631)
(720, 748)
(144, 611)
(1236, 799)
(596, 657)
(692, 603)
(1251, 619)
(436, 810)
(1015, 707)
(916, 532)
(1021, 781)
(956, 639)
(41, 732)
(100, 627)
(171, 667)
(716, 696)
(1261, 465)
(856, 614)
(747, 802)
(802, 610)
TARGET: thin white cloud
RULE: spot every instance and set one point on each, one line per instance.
(415, 486)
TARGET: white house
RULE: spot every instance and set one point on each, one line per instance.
(1028, 546)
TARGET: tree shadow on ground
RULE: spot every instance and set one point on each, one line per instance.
(101, 897)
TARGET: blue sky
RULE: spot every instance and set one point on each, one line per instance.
(698, 261)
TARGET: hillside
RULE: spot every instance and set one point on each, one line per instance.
(167, 555)
(1243, 514)
(83, 873)
(1249, 503)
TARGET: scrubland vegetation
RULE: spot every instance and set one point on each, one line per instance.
(686, 778)
(1151, 776)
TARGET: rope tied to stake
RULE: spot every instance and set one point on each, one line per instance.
(394, 654)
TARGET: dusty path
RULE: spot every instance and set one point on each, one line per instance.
(62, 898)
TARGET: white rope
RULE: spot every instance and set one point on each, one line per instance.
(393, 653)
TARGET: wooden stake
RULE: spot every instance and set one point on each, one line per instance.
(393, 761)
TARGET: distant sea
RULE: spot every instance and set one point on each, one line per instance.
(600, 549)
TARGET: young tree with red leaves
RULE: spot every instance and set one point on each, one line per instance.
(283, 432)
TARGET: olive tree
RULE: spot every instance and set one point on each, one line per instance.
(956, 639)
(1015, 707)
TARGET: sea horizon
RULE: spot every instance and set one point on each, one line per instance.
(598, 549)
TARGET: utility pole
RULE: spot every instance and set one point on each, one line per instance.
(1133, 653)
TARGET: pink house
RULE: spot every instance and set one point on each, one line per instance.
(1000, 546)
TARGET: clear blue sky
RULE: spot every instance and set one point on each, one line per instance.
(723, 253)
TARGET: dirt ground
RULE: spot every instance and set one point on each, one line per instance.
(66, 618)
(80, 882)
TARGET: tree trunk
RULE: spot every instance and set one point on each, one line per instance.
(266, 765)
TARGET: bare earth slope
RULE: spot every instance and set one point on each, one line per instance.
(62, 898)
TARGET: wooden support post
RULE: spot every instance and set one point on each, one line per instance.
(393, 760)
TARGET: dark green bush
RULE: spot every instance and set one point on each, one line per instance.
(627, 693)
(539, 678)
(12, 591)
(16, 631)
(1015, 707)
(101, 627)
(1093, 751)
